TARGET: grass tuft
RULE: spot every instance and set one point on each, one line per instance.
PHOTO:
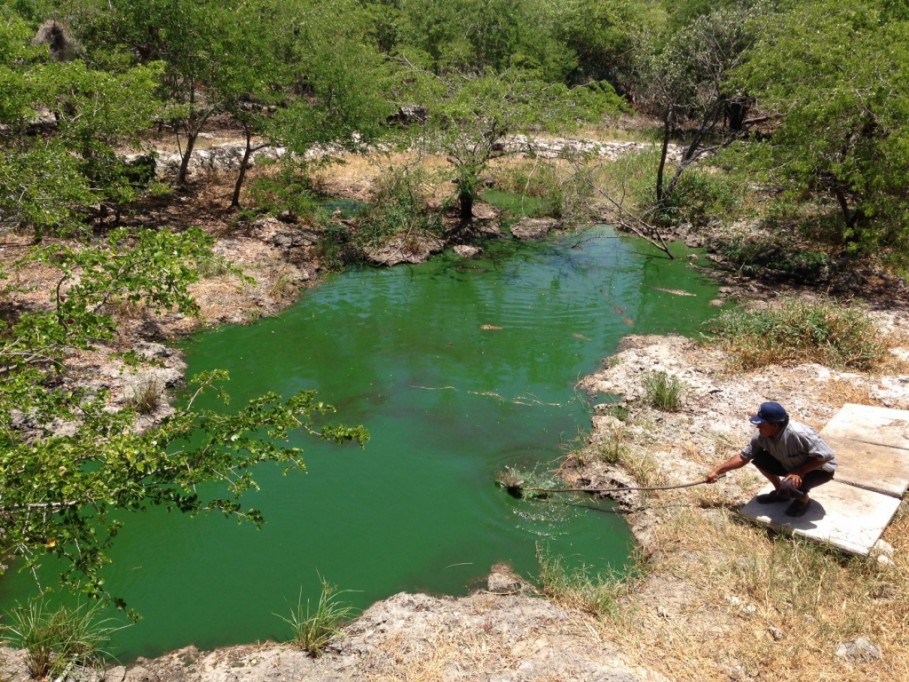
(830, 334)
(57, 640)
(664, 391)
(314, 626)
(579, 588)
(146, 395)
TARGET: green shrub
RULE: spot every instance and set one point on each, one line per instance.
(702, 196)
(288, 190)
(664, 391)
(314, 626)
(828, 333)
(59, 639)
(398, 209)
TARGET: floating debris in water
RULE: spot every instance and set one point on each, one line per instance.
(674, 292)
(491, 328)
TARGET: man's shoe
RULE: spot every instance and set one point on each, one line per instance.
(797, 508)
(775, 496)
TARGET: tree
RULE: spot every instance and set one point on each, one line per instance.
(606, 36)
(837, 79)
(342, 83)
(47, 180)
(201, 46)
(471, 113)
(686, 81)
(479, 35)
(67, 461)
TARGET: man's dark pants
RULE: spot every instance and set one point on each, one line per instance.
(766, 462)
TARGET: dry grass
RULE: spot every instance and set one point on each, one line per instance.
(842, 391)
(447, 652)
(726, 586)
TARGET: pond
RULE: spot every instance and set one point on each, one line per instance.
(458, 368)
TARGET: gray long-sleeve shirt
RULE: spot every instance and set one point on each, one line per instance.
(792, 447)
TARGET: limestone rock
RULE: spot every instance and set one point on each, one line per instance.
(467, 251)
(859, 650)
(533, 228)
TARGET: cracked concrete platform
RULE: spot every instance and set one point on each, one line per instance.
(852, 511)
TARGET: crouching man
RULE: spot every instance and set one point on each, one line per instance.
(790, 455)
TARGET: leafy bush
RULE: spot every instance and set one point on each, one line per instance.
(664, 391)
(313, 627)
(57, 640)
(828, 333)
(700, 196)
(289, 190)
(398, 209)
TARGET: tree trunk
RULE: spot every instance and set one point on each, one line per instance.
(850, 218)
(465, 206)
(244, 165)
(664, 150)
(184, 160)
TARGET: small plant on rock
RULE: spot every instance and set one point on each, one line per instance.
(146, 395)
(664, 391)
(57, 640)
(314, 626)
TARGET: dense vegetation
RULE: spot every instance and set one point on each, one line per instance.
(803, 103)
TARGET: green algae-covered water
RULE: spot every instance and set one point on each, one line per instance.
(458, 369)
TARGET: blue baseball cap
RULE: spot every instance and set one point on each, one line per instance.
(772, 413)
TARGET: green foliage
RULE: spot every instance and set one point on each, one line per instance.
(398, 209)
(56, 640)
(702, 196)
(664, 391)
(795, 331)
(470, 114)
(346, 82)
(314, 626)
(606, 36)
(837, 77)
(288, 190)
(481, 35)
(45, 180)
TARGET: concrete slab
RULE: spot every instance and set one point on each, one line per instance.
(842, 515)
(869, 424)
(872, 447)
(873, 467)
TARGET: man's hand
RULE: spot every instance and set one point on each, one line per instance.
(794, 479)
(713, 476)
